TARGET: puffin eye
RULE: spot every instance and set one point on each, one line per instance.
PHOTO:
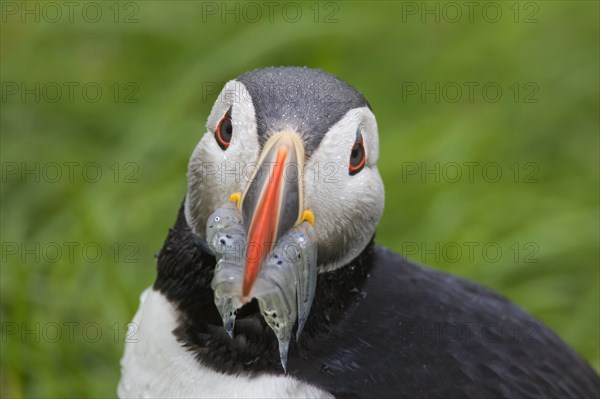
(224, 131)
(357, 155)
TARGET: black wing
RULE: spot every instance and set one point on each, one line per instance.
(417, 332)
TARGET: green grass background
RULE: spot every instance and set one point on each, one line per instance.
(170, 52)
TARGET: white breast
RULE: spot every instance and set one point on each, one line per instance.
(156, 365)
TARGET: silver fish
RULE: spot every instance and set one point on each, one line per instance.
(285, 285)
(226, 238)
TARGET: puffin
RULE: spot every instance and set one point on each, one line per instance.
(270, 284)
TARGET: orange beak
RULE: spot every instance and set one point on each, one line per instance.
(272, 202)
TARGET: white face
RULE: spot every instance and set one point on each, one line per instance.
(346, 206)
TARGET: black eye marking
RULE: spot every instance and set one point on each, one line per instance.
(224, 131)
(358, 156)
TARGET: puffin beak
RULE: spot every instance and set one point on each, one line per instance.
(272, 202)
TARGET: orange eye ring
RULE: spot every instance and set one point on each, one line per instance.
(224, 131)
(358, 155)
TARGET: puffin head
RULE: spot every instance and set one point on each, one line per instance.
(291, 144)
(289, 159)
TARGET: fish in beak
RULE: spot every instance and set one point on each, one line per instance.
(265, 245)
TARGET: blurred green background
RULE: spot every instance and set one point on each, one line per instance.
(64, 312)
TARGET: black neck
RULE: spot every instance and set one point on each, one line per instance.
(185, 271)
